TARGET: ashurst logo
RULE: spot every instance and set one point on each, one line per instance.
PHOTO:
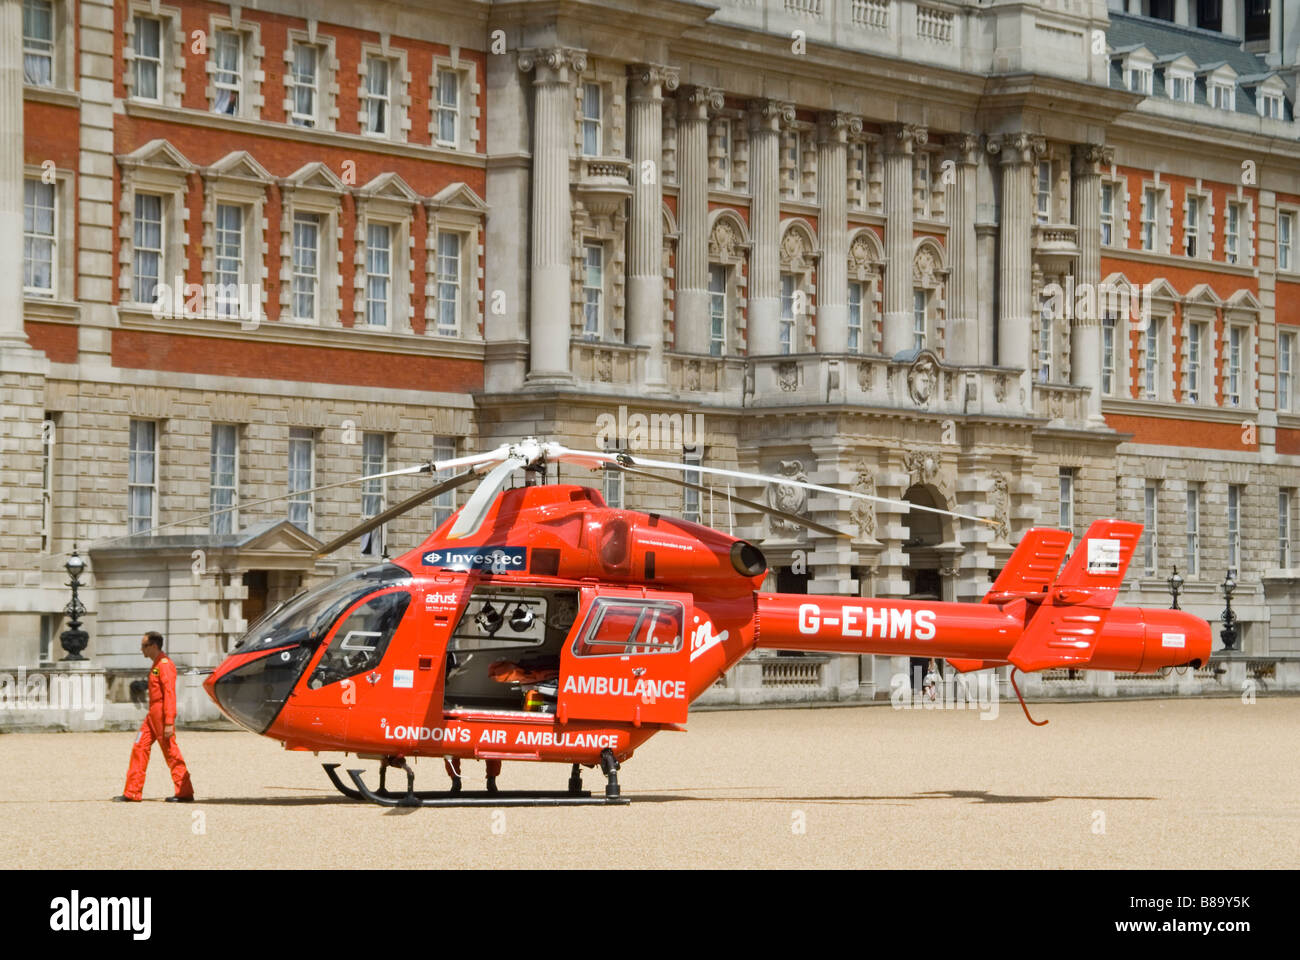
(657, 431)
(102, 914)
(1094, 301)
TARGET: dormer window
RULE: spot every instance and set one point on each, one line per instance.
(1180, 86)
(1138, 78)
(1222, 96)
(1270, 105)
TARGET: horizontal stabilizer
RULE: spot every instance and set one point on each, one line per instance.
(1032, 567)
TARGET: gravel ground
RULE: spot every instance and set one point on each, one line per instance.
(1158, 783)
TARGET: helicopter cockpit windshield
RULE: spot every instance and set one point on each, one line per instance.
(307, 617)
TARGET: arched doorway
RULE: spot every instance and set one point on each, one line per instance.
(928, 546)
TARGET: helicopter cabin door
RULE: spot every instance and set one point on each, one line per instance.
(628, 659)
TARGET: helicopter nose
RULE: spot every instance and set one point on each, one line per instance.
(1175, 638)
(251, 689)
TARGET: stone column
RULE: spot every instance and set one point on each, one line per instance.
(645, 283)
(12, 334)
(765, 119)
(1085, 331)
(963, 295)
(900, 140)
(691, 302)
(1232, 19)
(556, 69)
(1017, 152)
(833, 270)
(1181, 16)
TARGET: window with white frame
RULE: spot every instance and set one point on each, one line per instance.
(379, 273)
(38, 43)
(304, 83)
(856, 294)
(1285, 234)
(1195, 360)
(1235, 346)
(223, 491)
(448, 107)
(377, 97)
(302, 450)
(1043, 192)
(723, 133)
(717, 310)
(1107, 214)
(1108, 355)
(691, 498)
(49, 436)
(1234, 527)
(1232, 233)
(794, 164)
(788, 326)
(1192, 246)
(444, 504)
(1151, 362)
(592, 115)
(374, 455)
(593, 291)
(147, 246)
(1284, 528)
(1150, 218)
(1065, 498)
(449, 292)
(1193, 558)
(40, 238)
(306, 266)
(1222, 96)
(1150, 519)
(1270, 105)
(922, 186)
(142, 476)
(1180, 85)
(228, 258)
(228, 72)
(920, 318)
(147, 62)
(1044, 345)
(1139, 78)
(612, 489)
(1285, 370)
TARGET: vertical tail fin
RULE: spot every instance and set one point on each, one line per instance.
(1096, 569)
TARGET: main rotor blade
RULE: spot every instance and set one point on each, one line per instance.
(480, 501)
(629, 459)
(410, 503)
(752, 504)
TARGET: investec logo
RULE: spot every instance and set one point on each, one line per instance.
(493, 559)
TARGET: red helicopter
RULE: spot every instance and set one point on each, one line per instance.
(537, 623)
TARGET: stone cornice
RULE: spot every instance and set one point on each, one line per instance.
(285, 131)
(1181, 263)
(53, 95)
(1168, 410)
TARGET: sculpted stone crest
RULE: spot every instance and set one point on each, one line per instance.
(922, 379)
(788, 498)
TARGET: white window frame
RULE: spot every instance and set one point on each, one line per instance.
(1234, 527)
(221, 82)
(1286, 240)
(591, 118)
(858, 300)
(49, 461)
(444, 505)
(32, 237)
(719, 281)
(1108, 222)
(725, 145)
(1193, 546)
(1286, 357)
(1151, 378)
(222, 276)
(1149, 219)
(450, 283)
(1173, 78)
(136, 450)
(1043, 191)
(1197, 339)
(1284, 520)
(788, 320)
(226, 522)
(374, 493)
(1151, 526)
(299, 274)
(1270, 106)
(1233, 221)
(367, 94)
(1234, 387)
(1108, 354)
(300, 498)
(38, 48)
(294, 82)
(1221, 95)
(442, 110)
(1043, 349)
(593, 291)
(1065, 498)
(1139, 78)
(141, 58)
(920, 318)
(160, 251)
(691, 499)
(1194, 226)
(392, 232)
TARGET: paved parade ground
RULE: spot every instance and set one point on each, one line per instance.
(1160, 783)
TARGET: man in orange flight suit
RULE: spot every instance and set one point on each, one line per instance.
(159, 724)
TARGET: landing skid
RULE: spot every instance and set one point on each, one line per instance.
(573, 797)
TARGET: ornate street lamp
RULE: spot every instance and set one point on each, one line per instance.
(1229, 632)
(74, 639)
(1175, 582)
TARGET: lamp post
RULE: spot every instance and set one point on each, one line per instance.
(1175, 582)
(1229, 632)
(74, 639)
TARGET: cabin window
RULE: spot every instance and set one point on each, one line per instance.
(623, 627)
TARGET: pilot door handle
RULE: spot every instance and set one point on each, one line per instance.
(638, 671)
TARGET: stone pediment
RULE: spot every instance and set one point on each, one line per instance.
(239, 164)
(459, 195)
(390, 186)
(159, 154)
(315, 176)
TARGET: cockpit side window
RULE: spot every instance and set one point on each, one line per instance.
(361, 639)
(622, 627)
